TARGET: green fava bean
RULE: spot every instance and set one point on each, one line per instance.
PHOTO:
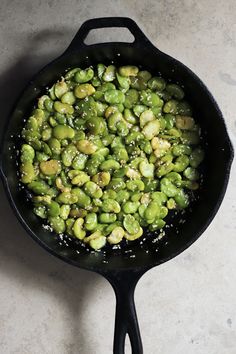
(107, 218)
(168, 188)
(78, 229)
(159, 197)
(27, 153)
(32, 124)
(53, 146)
(150, 99)
(27, 172)
(171, 106)
(135, 197)
(145, 75)
(146, 169)
(117, 184)
(82, 76)
(191, 174)
(131, 224)
(39, 187)
(192, 185)
(64, 211)
(63, 108)
(138, 83)
(40, 211)
(146, 146)
(110, 206)
(84, 90)
(122, 196)
(164, 169)
(102, 179)
(196, 157)
(68, 155)
(128, 70)
(181, 163)
(50, 167)
(151, 129)
(129, 116)
(41, 101)
(150, 185)
(100, 108)
(98, 243)
(145, 117)
(79, 161)
(122, 128)
(57, 224)
(67, 198)
(181, 199)
(60, 88)
(171, 204)
(51, 92)
(69, 225)
(53, 209)
(109, 165)
(83, 200)
(157, 225)
(163, 212)
(68, 98)
(116, 235)
(109, 73)
(100, 69)
(121, 154)
(152, 211)
(91, 222)
(124, 82)
(131, 98)
(80, 179)
(135, 185)
(157, 83)
(93, 190)
(170, 120)
(86, 147)
(184, 122)
(130, 207)
(95, 125)
(181, 149)
(175, 90)
(49, 105)
(63, 132)
(41, 156)
(175, 178)
(109, 194)
(160, 146)
(114, 96)
(138, 109)
(46, 134)
(132, 237)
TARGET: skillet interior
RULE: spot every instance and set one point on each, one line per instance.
(216, 170)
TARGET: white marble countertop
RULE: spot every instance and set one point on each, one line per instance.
(186, 305)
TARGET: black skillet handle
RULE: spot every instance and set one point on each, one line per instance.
(105, 22)
(126, 321)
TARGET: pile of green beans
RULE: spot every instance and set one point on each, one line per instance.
(109, 151)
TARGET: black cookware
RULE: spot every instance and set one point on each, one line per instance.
(123, 268)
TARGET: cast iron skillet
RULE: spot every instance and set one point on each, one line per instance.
(123, 268)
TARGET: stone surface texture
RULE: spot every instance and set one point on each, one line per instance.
(187, 305)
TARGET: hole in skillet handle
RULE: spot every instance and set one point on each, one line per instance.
(108, 22)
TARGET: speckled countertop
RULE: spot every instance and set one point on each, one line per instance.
(186, 305)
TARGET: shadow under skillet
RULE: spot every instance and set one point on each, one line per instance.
(20, 257)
